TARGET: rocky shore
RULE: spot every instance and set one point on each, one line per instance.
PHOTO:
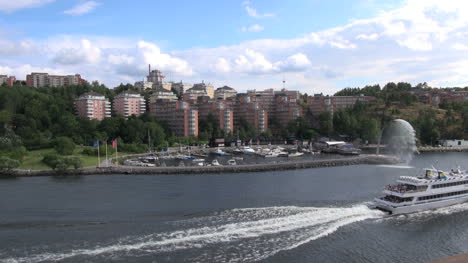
(363, 159)
(442, 149)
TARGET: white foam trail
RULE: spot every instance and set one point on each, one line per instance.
(396, 166)
(255, 233)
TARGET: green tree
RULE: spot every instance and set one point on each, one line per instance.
(7, 164)
(64, 145)
(326, 123)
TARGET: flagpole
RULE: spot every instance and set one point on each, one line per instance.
(116, 155)
(107, 161)
(98, 155)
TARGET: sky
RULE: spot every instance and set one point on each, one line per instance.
(315, 46)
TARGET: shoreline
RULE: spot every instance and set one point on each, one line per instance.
(442, 149)
(293, 165)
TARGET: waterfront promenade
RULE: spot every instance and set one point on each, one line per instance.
(299, 164)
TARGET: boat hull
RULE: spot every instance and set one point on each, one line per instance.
(419, 207)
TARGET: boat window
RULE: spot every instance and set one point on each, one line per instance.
(402, 188)
(396, 199)
(429, 197)
(449, 184)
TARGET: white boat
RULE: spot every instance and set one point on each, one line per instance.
(232, 162)
(295, 154)
(215, 163)
(247, 150)
(219, 152)
(271, 154)
(184, 157)
(198, 160)
(434, 189)
(237, 150)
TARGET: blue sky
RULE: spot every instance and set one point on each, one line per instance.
(318, 46)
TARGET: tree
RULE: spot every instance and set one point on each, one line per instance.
(64, 145)
(326, 123)
(74, 161)
(8, 163)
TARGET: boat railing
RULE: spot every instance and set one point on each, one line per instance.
(410, 179)
(402, 188)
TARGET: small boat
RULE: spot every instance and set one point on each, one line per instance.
(434, 189)
(184, 157)
(282, 154)
(215, 163)
(295, 154)
(271, 154)
(232, 162)
(219, 152)
(348, 150)
(237, 151)
(247, 150)
(198, 160)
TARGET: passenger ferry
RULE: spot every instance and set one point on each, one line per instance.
(432, 190)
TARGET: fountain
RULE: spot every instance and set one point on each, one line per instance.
(400, 138)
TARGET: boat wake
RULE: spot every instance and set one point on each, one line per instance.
(396, 166)
(249, 234)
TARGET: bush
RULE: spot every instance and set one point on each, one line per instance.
(133, 148)
(76, 162)
(57, 162)
(8, 163)
(53, 160)
(64, 145)
(91, 151)
(18, 153)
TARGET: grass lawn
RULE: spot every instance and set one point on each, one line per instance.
(33, 160)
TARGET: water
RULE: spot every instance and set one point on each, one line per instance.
(311, 215)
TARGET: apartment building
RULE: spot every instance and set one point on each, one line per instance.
(129, 103)
(180, 116)
(251, 112)
(218, 109)
(8, 80)
(38, 80)
(320, 103)
(224, 92)
(93, 106)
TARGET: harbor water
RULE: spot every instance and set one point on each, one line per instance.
(309, 215)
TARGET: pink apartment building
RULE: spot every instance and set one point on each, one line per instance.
(181, 118)
(93, 106)
(128, 104)
(8, 80)
(219, 109)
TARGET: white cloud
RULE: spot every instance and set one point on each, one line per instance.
(85, 53)
(82, 8)
(252, 12)
(460, 46)
(296, 62)
(415, 42)
(370, 37)
(253, 28)
(222, 66)
(13, 5)
(13, 48)
(152, 55)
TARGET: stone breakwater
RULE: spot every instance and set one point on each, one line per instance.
(363, 159)
(442, 149)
